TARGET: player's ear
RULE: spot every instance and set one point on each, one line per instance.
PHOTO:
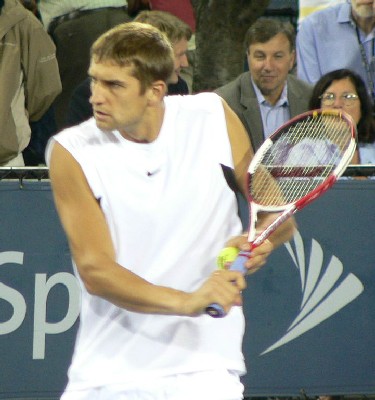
(157, 91)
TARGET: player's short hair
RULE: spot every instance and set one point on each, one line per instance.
(137, 45)
(264, 29)
(174, 28)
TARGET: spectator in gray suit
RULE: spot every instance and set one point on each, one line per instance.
(269, 94)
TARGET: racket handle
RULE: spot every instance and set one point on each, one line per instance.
(216, 310)
(239, 263)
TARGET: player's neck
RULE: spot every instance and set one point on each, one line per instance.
(147, 130)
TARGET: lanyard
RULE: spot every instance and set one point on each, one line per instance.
(369, 66)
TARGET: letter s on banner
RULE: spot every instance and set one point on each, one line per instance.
(12, 296)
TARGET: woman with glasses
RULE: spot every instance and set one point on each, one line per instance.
(344, 89)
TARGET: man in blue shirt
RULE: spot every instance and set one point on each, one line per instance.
(341, 36)
(269, 95)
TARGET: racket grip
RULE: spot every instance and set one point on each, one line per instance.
(216, 310)
(239, 263)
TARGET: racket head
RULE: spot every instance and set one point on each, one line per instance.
(293, 167)
(301, 160)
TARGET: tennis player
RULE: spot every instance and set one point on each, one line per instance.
(142, 196)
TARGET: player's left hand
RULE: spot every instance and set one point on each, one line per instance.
(259, 255)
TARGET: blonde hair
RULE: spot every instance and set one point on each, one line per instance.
(174, 28)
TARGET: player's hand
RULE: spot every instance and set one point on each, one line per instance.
(259, 255)
(222, 287)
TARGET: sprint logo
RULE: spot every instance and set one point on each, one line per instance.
(324, 291)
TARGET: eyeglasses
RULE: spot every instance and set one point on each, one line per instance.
(328, 99)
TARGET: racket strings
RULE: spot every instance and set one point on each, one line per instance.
(299, 160)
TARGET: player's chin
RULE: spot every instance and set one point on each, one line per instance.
(104, 124)
(238, 302)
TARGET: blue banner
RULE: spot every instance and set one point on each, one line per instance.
(310, 312)
(39, 296)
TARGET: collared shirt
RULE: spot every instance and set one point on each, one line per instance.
(50, 9)
(307, 7)
(327, 40)
(367, 153)
(273, 116)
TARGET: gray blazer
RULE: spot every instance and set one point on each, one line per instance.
(241, 97)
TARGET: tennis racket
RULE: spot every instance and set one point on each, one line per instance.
(292, 168)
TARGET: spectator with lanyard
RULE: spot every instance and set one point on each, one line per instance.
(307, 7)
(341, 36)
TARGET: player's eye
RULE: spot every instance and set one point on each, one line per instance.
(115, 85)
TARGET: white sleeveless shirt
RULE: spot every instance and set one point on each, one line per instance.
(170, 211)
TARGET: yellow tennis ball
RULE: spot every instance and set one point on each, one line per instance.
(227, 254)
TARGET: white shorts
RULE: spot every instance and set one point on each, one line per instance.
(204, 385)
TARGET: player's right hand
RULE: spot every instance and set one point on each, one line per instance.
(223, 287)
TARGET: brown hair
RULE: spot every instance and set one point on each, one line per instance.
(264, 29)
(140, 46)
(366, 124)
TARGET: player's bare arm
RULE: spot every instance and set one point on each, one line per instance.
(93, 252)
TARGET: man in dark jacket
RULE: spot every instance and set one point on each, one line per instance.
(268, 95)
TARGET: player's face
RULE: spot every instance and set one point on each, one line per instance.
(269, 65)
(180, 59)
(116, 98)
(340, 88)
(364, 8)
